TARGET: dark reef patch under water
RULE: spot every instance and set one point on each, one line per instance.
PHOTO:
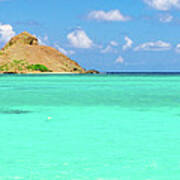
(16, 111)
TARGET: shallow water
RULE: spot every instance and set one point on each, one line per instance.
(98, 127)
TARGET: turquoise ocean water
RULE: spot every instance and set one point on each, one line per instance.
(98, 127)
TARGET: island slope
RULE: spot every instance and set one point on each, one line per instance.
(24, 51)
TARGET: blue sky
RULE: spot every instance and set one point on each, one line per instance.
(118, 35)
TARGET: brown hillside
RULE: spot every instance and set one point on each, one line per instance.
(26, 47)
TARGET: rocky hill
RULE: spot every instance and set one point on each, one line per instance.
(23, 54)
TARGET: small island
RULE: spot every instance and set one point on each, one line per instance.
(24, 54)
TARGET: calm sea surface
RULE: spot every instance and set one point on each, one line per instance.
(98, 127)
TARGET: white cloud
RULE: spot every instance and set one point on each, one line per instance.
(128, 44)
(120, 59)
(110, 48)
(113, 15)
(63, 51)
(163, 5)
(113, 43)
(79, 39)
(166, 18)
(153, 46)
(178, 48)
(42, 40)
(6, 32)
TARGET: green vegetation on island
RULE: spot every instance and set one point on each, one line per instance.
(22, 66)
(38, 67)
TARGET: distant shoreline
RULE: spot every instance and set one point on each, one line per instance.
(100, 73)
(40, 73)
